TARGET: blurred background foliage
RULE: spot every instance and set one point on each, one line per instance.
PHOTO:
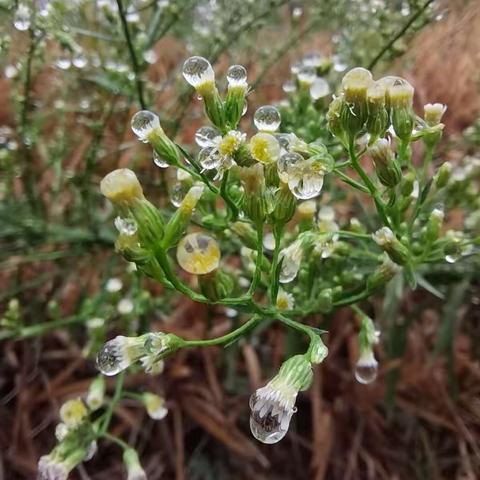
(72, 75)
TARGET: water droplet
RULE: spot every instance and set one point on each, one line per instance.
(269, 422)
(143, 122)
(269, 242)
(237, 76)
(204, 136)
(307, 74)
(198, 253)
(63, 63)
(108, 361)
(319, 88)
(197, 70)
(159, 161)
(126, 226)
(80, 60)
(312, 59)
(297, 12)
(366, 372)
(289, 86)
(267, 118)
(245, 108)
(209, 158)
(176, 195)
(285, 162)
(307, 186)
(296, 67)
(452, 258)
(21, 20)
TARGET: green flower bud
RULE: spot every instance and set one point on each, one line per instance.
(434, 224)
(96, 393)
(180, 219)
(443, 175)
(325, 300)
(246, 233)
(132, 464)
(334, 118)
(377, 121)
(254, 201)
(408, 184)
(387, 240)
(284, 205)
(382, 275)
(400, 100)
(386, 166)
(216, 285)
(318, 350)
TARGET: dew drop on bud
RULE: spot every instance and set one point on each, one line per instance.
(126, 226)
(366, 369)
(307, 186)
(79, 61)
(197, 70)
(267, 118)
(204, 136)
(143, 122)
(21, 20)
(176, 195)
(159, 161)
(63, 63)
(237, 76)
(289, 86)
(107, 359)
(198, 254)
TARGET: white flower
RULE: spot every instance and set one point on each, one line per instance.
(273, 405)
(119, 353)
(383, 237)
(285, 301)
(155, 406)
(125, 306)
(113, 285)
(291, 258)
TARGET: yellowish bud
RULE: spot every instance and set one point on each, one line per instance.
(121, 187)
(73, 412)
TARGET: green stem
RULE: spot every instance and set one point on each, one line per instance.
(350, 181)
(274, 275)
(115, 439)
(113, 403)
(228, 338)
(258, 263)
(133, 57)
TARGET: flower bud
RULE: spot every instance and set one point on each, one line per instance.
(408, 184)
(121, 187)
(387, 240)
(325, 300)
(377, 121)
(382, 275)
(284, 205)
(443, 175)
(96, 393)
(216, 285)
(285, 301)
(73, 412)
(246, 234)
(386, 166)
(237, 89)
(181, 218)
(155, 405)
(334, 118)
(273, 405)
(400, 100)
(434, 224)
(318, 350)
(132, 463)
(433, 113)
(254, 201)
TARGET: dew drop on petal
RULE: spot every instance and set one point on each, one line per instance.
(209, 158)
(285, 163)
(267, 118)
(197, 70)
(306, 187)
(176, 195)
(107, 360)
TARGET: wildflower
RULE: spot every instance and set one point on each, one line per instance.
(113, 285)
(433, 113)
(305, 177)
(267, 119)
(73, 412)
(132, 462)
(58, 464)
(264, 148)
(198, 254)
(119, 353)
(155, 406)
(145, 124)
(273, 405)
(319, 88)
(291, 258)
(121, 187)
(125, 306)
(198, 72)
(61, 431)
(96, 393)
(285, 301)
(386, 166)
(219, 152)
